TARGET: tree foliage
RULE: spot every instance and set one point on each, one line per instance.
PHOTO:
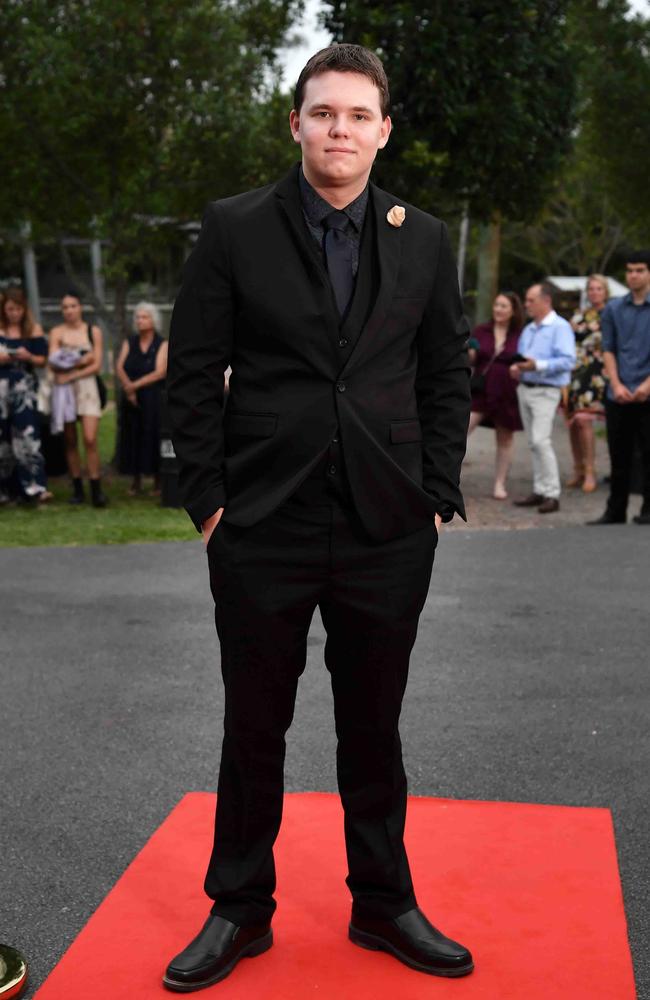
(614, 53)
(483, 94)
(119, 114)
(599, 205)
(578, 231)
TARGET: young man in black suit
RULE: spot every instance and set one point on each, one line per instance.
(322, 483)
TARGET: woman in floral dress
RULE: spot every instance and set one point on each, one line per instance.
(23, 348)
(585, 402)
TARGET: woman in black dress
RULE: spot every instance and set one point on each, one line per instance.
(141, 368)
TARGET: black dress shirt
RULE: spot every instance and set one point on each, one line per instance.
(316, 208)
(328, 481)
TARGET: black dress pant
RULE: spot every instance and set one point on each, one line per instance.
(627, 425)
(267, 581)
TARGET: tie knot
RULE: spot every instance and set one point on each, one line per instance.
(336, 220)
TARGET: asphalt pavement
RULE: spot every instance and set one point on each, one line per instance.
(529, 683)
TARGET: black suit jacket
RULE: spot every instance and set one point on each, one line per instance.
(255, 296)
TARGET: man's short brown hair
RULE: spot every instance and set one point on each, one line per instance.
(345, 58)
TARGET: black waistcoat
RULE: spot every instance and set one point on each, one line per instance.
(328, 482)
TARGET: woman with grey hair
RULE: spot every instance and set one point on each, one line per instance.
(141, 368)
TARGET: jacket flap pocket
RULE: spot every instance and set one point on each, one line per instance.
(252, 424)
(405, 431)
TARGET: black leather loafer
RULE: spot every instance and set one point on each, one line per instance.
(415, 942)
(214, 953)
(533, 500)
(607, 518)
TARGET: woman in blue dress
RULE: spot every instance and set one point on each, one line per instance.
(23, 348)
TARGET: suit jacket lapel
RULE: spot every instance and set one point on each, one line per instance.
(288, 196)
(389, 248)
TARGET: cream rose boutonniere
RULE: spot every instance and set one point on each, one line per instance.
(396, 216)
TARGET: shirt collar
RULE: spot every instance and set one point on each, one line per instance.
(629, 299)
(316, 208)
(548, 320)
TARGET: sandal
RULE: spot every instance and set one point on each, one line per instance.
(590, 482)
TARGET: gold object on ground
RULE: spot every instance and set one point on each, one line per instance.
(13, 972)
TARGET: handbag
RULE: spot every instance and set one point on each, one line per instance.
(101, 385)
(477, 379)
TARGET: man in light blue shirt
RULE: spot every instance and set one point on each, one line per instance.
(548, 354)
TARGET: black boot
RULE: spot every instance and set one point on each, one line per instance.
(78, 495)
(98, 498)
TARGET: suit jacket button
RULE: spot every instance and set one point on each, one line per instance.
(343, 342)
(332, 470)
(340, 386)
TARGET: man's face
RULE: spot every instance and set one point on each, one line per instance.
(537, 305)
(637, 276)
(339, 128)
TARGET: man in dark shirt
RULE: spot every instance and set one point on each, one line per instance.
(321, 485)
(625, 326)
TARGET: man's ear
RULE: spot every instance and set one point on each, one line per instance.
(294, 124)
(385, 131)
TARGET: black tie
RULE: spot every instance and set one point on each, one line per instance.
(338, 256)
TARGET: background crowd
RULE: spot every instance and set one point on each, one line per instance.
(527, 362)
(595, 368)
(52, 386)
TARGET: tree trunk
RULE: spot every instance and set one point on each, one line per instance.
(489, 250)
(99, 304)
(462, 246)
(31, 271)
(120, 331)
(120, 322)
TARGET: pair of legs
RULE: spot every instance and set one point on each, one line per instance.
(267, 581)
(583, 448)
(538, 406)
(136, 485)
(628, 425)
(505, 442)
(89, 429)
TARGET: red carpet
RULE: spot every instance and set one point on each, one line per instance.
(533, 890)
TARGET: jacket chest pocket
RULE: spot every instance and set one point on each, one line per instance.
(251, 425)
(405, 431)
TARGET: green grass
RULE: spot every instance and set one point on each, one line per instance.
(126, 519)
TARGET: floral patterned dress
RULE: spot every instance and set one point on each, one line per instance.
(22, 468)
(588, 384)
